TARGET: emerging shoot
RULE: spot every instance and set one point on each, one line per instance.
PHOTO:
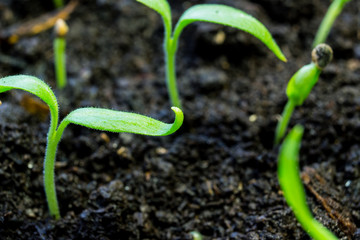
(326, 24)
(95, 118)
(61, 29)
(300, 85)
(293, 189)
(213, 13)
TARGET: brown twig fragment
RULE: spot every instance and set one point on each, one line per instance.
(328, 197)
(37, 25)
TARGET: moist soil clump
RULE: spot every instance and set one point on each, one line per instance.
(217, 175)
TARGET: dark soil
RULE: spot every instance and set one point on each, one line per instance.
(217, 175)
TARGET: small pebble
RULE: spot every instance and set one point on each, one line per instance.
(30, 213)
(252, 118)
(161, 150)
(219, 38)
(105, 137)
(85, 214)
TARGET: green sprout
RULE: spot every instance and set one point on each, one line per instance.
(58, 3)
(300, 85)
(293, 189)
(213, 13)
(326, 24)
(95, 118)
(61, 29)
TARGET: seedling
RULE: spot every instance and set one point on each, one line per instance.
(300, 85)
(326, 24)
(293, 189)
(61, 29)
(58, 3)
(95, 118)
(213, 13)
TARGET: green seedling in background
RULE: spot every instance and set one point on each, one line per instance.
(61, 29)
(58, 3)
(326, 24)
(95, 118)
(300, 85)
(293, 189)
(213, 13)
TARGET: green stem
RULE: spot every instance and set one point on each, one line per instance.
(49, 165)
(49, 169)
(60, 61)
(284, 121)
(170, 48)
(170, 52)
(49, 181)
(58, 3)
(326, 24)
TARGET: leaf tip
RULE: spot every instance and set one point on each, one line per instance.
(179, 115)
(298, 131)
(179, 118)
(282, 57)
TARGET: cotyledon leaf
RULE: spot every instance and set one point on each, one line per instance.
(35, 86)
(160, 6)
(293, 189)
(229, 16)
(32, 85)
(288, 171)
(117, 121)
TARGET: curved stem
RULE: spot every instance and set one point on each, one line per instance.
(49, 169)
(49, 164)
(284, 121)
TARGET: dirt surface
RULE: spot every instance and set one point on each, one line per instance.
(217, 175)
